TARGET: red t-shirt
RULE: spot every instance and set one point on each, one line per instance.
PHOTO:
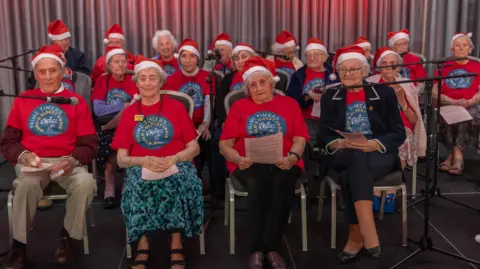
(50, 130)
(117, 92)
(356, 115)
(405, 121)
(164, 131)
(285, 66)
(237, 82)
(195, 86)
(220, 67)
(100, 65)
(170, 66)
(312, 80)
(247, 119)
(460, 88)
(412, 71)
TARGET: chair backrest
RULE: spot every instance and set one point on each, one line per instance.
(234, 96)
(283, 75)
(474, 59)
(422, 57)
(83, 86)
(184, 98)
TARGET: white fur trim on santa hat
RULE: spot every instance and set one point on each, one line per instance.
(113, 35)
(385, 53)
(46, 55)
(316, 46)
(469, 35)
(253, 69)
(60, 36)
(148, 64)
(364, 45)
(224, 42)
(351, 55)
(396, 37)
(113, 52)
(240, 48)
(187, 48)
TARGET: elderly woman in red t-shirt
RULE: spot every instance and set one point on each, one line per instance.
(156, 139)
(271, 187)
(461, 92)
(112, 93)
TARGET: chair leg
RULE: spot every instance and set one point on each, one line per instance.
(94, 169)
(129, 248)
(414, 181)
(10, 215)
(333, 239)
(321, 197)
(202, 241)
(91, 216)
(226, 211)
(404, 215)
(232, 219)
(290, 218)
(86, 248)
(382, 204)
(303, 201)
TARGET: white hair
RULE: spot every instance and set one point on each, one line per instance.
(366, 67)
(463, 36)
(166, 33)
(247, 81)
(161, 76)
(107, 69)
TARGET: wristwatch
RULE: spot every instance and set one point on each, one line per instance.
(294, 154)
(405, 108)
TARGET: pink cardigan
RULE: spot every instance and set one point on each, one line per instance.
(412, 98)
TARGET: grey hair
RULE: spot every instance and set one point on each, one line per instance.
(166, 33)
(107, 69)
(160, 75)
(465, 36)
(366, 68)
(247, 81)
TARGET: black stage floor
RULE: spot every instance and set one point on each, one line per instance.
(453, 228)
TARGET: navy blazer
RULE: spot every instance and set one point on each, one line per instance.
(383, 112)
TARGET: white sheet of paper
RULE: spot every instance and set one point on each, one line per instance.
(267, 149)
(34, 169)
(316, 109)
(454, 114)
(148, 174)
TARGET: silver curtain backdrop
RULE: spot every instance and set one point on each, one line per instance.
(23, 24)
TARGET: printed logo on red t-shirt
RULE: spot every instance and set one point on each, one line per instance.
(237, 86)
(169, 69)
(68, 86)
(405, 72)
(265, 123)
(459, 83)
(48, 120)
(153, 132)
(116, 96)
(289, 70)
(314, 83)
(195, 91)
(357, 118)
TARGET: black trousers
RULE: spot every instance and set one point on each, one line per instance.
(204, 156)
(359, 171)
(271, 191)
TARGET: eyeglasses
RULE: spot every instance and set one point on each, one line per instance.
(314, 55)
(402, 44)
(345, 71)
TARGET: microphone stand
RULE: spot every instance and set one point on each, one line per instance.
(15, 68)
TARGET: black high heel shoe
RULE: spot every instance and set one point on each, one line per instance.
(374, 253)
(345, 257)
(142, 262)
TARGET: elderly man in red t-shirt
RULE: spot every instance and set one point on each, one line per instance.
(60, 136)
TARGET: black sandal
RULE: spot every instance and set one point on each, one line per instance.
(176, 263)
(142, 262)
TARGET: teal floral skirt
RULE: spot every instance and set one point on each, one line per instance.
(172, 204)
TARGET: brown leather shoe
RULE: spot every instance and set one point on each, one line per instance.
(276, 261)
(256, 260)
(64, 251)
(16, 259)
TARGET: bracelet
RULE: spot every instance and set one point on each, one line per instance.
(294, 154)
(177, 158)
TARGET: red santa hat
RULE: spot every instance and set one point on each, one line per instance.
(57, 30)
(315, 44)
(111, 51)
(457, 35)
(284, 40)
(257, 63)
(188, 45)
(242, 46)
(382, 52)
(362, 42)
(163, 33)
(142, 62)
(114, 32)
(222, 39)
(53, 51)
(393, 37)
(347, 53)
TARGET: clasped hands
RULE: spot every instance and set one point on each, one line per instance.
(158, 164)
(284, 163)
(63, 167)
(368, 146)
(204, 131)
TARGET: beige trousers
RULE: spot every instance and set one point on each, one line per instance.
(28, 190)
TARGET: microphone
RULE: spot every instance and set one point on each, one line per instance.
(214, 55)
(62, 100)
(264, 55)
